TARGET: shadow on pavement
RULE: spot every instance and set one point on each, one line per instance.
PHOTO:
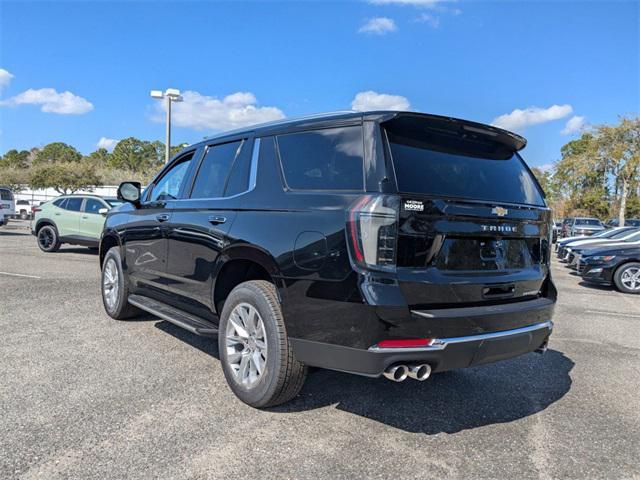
(595, 286)
(448, 402)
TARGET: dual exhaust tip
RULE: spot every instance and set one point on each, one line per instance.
(400, 372)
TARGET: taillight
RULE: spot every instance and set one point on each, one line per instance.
(372, 230)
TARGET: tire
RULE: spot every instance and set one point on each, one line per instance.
(282, 376)
(627, 278)
(115, 287)
(48, 239)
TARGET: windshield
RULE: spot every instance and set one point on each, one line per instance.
(427, 168)
(588, 221)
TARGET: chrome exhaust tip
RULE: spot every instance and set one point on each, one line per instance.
(420, 372)
(396, 373)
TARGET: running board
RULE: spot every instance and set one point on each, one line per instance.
(189, 322)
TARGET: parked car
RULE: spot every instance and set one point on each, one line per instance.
(633, 238)
(632, 222)
(73, 219)
(379, 243)
(35, 207)
(7, 205)
(618, 265)
(585, 226)
(23, 209)
(564, 246)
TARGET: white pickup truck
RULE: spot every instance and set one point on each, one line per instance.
(23, 209)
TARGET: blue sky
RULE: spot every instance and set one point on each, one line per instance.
(539, 68)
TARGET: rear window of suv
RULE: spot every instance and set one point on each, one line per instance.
(328, 159)
(5, 194)
(424, 168)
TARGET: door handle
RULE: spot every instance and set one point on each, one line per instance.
(84, 217)
(216, 220)
(163, 217)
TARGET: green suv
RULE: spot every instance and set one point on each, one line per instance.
(74, 219)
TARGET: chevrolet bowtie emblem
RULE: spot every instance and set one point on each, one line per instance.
(499, 211)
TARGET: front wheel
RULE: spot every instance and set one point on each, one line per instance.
(256, 357)
(627, 278)
(115, 289)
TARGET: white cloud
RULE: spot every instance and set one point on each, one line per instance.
(430, 20)
(5, 78)
(545, 167)
(574, 125)
(371, 100)
(378, 26)
(108, 143)
(415, 3)
(51, 101)
(519, 119)
(202, 112)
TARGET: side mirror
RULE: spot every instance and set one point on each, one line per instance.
(129, 192)
(103, 211)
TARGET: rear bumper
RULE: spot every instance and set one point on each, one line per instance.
(442, 354)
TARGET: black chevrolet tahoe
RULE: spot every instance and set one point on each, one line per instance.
(390, 243)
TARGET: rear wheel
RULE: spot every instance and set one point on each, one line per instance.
(627, 278)
(48, 239)
(256, 357)
(115, 288)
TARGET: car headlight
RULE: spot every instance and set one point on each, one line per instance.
(602, 258)
(569, 249)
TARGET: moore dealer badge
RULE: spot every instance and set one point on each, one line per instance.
(414, 205)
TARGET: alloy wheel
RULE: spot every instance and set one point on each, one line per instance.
(110, 284)
(46, 237)
(630, 278)
(246, 344)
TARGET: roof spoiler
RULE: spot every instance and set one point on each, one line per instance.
(511, 140)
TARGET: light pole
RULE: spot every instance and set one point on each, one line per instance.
(170, 95)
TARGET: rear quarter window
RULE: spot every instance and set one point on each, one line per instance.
(60, 202)
(327, 159)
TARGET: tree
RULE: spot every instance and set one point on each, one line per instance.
(618, 147)
(99, 158)
(135, 155)
(544, 178)
(57, 152)
(14, 178)
(15, 159)
(64, 177)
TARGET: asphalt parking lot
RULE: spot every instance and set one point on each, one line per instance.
(85, 396)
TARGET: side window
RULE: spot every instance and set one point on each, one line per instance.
(74, 204)
(6, 194)
(168, 187)
(60, 202)
(329, 159)
(238, 181)
(214, 170)
(92, 205)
